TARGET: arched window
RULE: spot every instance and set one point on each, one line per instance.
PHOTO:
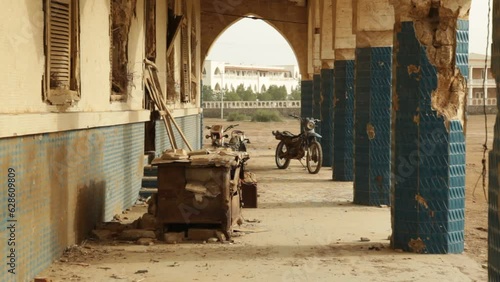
(217, 87)
(217, 71)
(263, 88)
(204, 71)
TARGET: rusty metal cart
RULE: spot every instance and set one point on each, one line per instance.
(203, 190)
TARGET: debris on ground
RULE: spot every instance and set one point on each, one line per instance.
(364, 239)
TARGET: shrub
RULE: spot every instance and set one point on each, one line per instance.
(266, 116)
(237, 117)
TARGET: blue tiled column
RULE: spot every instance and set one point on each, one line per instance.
(327, 94)
(429, 168)
(306, 100)
(317, 96)
(372, 124)
(343, 112)
(494, 162)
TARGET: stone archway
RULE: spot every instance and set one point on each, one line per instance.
(289, 18)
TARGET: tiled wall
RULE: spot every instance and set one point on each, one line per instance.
(191, 127)
(65, 183)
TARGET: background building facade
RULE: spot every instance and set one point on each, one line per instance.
(220, 76)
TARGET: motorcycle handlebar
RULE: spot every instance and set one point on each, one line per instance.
(302, 118)
(230, 127)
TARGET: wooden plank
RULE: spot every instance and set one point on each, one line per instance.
(153, 97)
(152, 82)
(164, 107)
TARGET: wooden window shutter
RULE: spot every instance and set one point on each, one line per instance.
(186, 66)
(59, 47)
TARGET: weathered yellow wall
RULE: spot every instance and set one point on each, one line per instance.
(23, 65)
(345, 40)
(374, 23)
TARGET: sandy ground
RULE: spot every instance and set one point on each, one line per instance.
(305, 229)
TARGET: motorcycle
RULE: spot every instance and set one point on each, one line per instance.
(218, 135)
(299, 146)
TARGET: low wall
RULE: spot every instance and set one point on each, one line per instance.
(479, 110)
(215, 113)
(213, 109)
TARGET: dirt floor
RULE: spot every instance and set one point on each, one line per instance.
(305, 229)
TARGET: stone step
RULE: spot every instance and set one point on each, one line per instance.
(150, 182)
(147, 192)
(145, 160)
(150, 170)
(148, 157)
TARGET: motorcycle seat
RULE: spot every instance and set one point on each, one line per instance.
(288, 134)
(236, 131)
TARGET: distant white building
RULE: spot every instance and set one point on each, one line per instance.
(219, 76)
(475, 83)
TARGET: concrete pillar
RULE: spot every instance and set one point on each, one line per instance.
(316, 113)
(372, 97)
(344, 44)
(327, 81)
(327, 97)
(431, 58)
(494, 162)
(343, 150)
(306, 100)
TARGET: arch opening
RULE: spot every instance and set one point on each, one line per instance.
(254, 54)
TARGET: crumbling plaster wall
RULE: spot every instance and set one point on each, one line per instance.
(23, 65)
(436, 28)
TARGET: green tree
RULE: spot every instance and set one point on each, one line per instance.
(277, 93)
(208, 94)
(296, 94)
(246, 94)
(231, 96)
(265, 96)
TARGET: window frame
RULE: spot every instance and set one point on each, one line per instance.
(55, 95)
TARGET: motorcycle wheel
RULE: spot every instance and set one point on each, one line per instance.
(314, 157)
(281, 163)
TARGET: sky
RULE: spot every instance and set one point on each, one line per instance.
(254, 42)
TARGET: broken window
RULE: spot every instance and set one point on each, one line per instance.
(151, 30)
(62, 78)
(122, 12)
(173, 58)
(193, 44)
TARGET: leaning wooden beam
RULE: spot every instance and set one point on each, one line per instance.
(159, 100)
(170, 133)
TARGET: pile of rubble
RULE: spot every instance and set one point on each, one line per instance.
(142, 230)
(146, 231)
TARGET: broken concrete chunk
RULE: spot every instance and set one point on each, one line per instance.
(364, 239)
(145, 241)
(103, 234)
(112, 226)
(136, 234)
(147, 222)
(212, 240)
(199, 234)
(220, 236)
(173, 237)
